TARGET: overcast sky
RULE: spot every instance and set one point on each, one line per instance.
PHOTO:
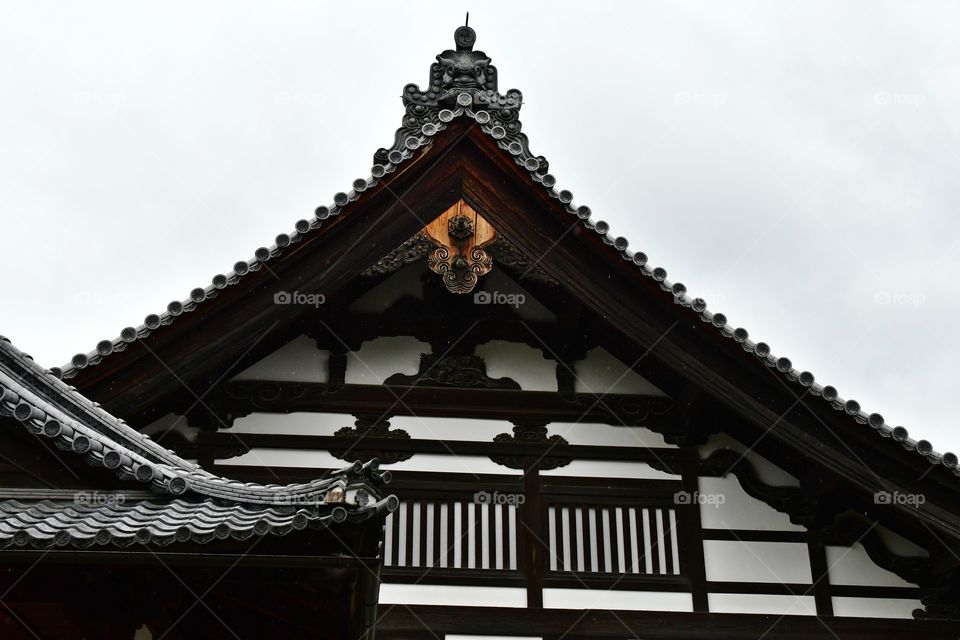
(793, 163)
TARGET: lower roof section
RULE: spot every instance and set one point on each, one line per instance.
(100, 518)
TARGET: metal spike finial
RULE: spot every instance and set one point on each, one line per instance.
(465, 36)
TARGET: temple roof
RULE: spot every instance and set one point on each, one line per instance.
(463, 84)
(184, 502)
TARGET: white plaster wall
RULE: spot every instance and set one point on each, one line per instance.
(768, 472)
(616, 599)
(852, 566)
(875, 607)
(303, 423)
(461, 429)
(740, 561)
(452, 464)
(610, 469)
(521, 362)
(297, 361)
(601, 373)
(286, 458)
(761, 603)
(379, 359)
(595, 433)
(452, 595)
(725, 505)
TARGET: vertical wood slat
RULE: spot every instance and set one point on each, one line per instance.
(408, 534)
(668, 540)
(623, 518)
(438, 548)
(478, 535)
(464, 541)
(422, 540)
(505, 536)
(451, 549)
(513, 535)
(610, 534)
(492, 536)
(397, 536)
(558, 548)
(597, 526)
(586, 539)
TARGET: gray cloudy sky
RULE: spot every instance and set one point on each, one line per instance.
(793, 163)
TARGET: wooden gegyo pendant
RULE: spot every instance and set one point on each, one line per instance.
(460, 259)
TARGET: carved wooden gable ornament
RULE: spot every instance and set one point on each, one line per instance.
(461, 234)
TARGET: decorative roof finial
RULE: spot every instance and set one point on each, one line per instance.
(465, 36)
(461, 80)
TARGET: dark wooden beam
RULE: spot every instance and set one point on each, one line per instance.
(430, 622)
(658, 455)
(247, 396)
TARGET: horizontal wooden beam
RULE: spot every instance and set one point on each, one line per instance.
(415, 622)
(656, 455)
(244, 396)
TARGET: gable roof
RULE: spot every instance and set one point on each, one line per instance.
(185, 502)
(429, 112)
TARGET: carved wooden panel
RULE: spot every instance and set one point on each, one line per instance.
(460, 259)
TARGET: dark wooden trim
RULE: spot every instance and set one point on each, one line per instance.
(240, 397)
(445, 447)
(820, 573)
(754, 535)
(533, 549)
(418, 622)
(761, 588)
(461, 577)
(690, 537)
(866, 591)
(809, 590)
(616, 581)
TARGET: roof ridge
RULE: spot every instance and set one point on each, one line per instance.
(464, 83)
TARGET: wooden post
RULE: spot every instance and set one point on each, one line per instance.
(531, 535)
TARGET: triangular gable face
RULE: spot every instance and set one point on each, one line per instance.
(458, 317)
